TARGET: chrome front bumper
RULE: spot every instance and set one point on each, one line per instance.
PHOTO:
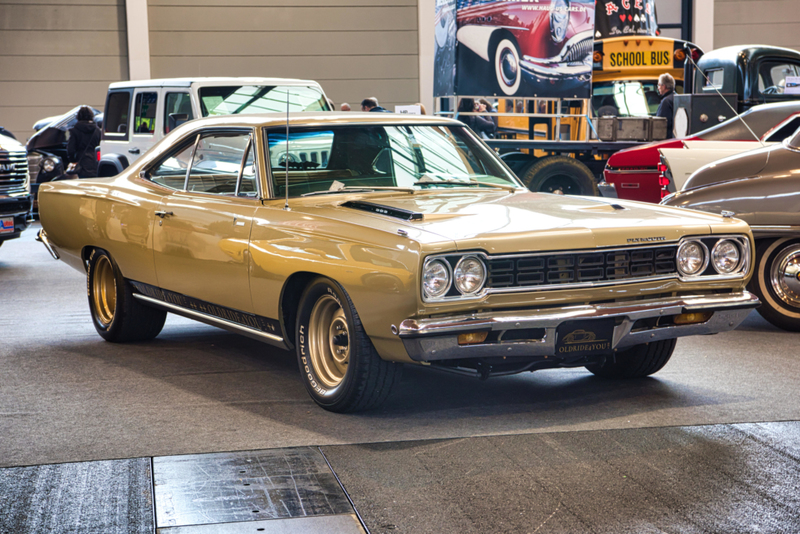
(437, 338)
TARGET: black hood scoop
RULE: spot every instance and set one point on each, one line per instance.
(389, 211)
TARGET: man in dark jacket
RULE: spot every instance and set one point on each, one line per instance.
(83, 140)
(666, 88)
(371, 104)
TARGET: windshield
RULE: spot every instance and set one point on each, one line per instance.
(236, 99)
(334, 159)
(627, 98)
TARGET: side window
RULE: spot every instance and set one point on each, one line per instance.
(784, 131)
(117, 109)
(216, 163)
(772, 76)
(248, 186)
(715, 79)
(177, 110)
(171, 171)
(144, 113)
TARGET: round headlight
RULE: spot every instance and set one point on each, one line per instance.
(470, 275)
(436, 278)
(49, 164)
(692, 258)
(725, 256)
(559, 19)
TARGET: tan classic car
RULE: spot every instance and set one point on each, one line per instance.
(368, 241)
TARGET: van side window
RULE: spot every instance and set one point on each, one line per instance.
(116, 114)
(177, 110)
(144, 113)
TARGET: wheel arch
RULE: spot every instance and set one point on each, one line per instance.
(291, 292)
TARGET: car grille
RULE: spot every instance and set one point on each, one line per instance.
(579, 51)
(13, 171)
(575, 268)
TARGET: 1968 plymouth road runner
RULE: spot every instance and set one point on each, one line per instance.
(368, 241)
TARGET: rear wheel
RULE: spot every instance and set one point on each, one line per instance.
(560, 175)
(340, 368)
(776, 282)
(637, 361)
(116, 315)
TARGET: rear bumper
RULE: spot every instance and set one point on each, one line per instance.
(637, 322)
(18, 207)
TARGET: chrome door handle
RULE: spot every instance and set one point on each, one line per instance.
(163, 214)
(133, 150)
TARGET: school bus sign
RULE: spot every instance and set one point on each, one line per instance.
(631, 53)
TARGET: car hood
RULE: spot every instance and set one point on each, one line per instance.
(504, 222)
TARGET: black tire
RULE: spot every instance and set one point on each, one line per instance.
(637, 361)
(348, 378)
(777, 289)
(117, 316)
(562, 175)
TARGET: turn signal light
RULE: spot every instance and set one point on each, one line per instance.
(598, 56)
(472, 338)
(692, 318)
(680, 55)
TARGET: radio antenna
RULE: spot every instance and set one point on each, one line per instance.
(286, 162)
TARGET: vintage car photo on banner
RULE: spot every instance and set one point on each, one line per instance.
(515, 48)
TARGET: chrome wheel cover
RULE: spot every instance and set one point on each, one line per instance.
(508, 67)
(784, 275)
(328, 341)
(104, 290)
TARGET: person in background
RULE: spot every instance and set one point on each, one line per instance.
(488, 107)
(345, 107)
(83, 140)
(483, 126)
(666, 88)
(371, 104)
(422, 110)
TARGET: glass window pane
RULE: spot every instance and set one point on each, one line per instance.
(144, 113)
(248, 186)
(216, 163)
(177, 110)
(171, 172)
(229, 100)
(115, 118)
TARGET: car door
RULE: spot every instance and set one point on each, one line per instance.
(145, 121)
(200, 241)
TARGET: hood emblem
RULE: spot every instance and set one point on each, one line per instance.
(646, 239)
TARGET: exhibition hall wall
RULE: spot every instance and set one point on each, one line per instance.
(56, 54)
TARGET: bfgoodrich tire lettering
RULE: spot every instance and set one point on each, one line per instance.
(776, 284)
(338, 364)
(116, 315)
(637, 361)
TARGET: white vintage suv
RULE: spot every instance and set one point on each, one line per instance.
(139, 113)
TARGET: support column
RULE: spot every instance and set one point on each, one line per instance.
(703, 24)
(426, 11)
(138, 39)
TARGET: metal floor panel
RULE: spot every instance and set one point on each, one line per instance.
(331, 524)
(106, 497)
(233, 487)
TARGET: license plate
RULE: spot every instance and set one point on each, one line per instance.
(6, 225)
(584, 338)
(637, 55)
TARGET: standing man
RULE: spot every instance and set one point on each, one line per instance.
(371, 104)
(666, 88)
(345, 107)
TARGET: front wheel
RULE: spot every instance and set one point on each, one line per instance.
(637, 361)
(776, 282)
(507, 68)
(339, 365)
(116, 315)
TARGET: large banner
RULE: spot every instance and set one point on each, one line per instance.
(618, 18)
(526, 48)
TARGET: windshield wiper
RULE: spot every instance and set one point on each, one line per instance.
(358, 189)
(459, 182)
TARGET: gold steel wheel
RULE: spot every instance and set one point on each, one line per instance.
(104, 290)
(329, 341)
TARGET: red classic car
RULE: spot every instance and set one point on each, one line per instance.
(547, 40)
(636, 173)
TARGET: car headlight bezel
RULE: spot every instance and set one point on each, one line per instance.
(559, 20)
(703, 264)
(460, 274)
(715, 252)
(49, 164)
(445, 269)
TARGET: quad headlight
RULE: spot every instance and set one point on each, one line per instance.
(725, 256)
(692, 258)
(470, 275)
(559, 19)
(436, 278)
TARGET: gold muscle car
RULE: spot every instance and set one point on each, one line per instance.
(367, 241)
